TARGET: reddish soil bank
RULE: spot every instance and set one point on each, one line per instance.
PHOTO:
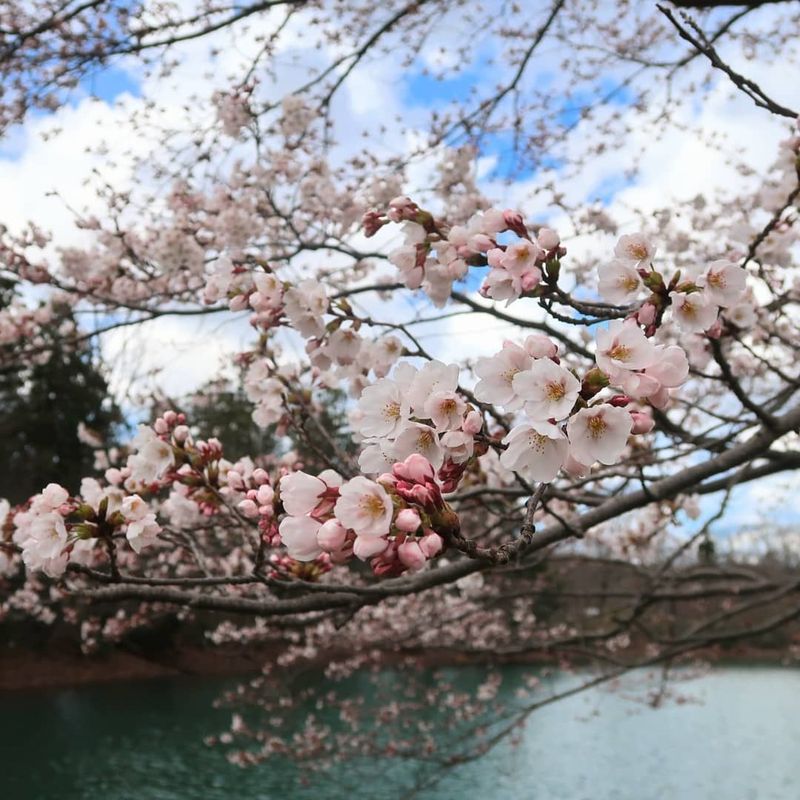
(22, 669)
(25, 669)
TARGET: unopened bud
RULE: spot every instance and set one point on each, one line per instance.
(642, 422)
(408, 520)
(548, 239)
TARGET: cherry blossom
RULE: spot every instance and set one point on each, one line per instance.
(624, 346)
(305, 306)
(549, 390)
(421, 439)
(299, 535)
(152, 458)
(364, 506)
(536, 450)
(635, 248)
(302, 493)
(143, 532)
(723, 283)
(496, 384)
(384, 409)
(599, 433)
(619, 281)
(445, 409)
(694, 312)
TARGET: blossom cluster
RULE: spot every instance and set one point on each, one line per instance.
(56, 529)
(434, 255)
(416, 411)
(336, 350)
(420, 429)
(695, 295)
(396, 523)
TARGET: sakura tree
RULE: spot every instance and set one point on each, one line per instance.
(635, 366)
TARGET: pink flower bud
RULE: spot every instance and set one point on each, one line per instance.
(408, 520)
(431, 544)
(170, 417)
(214, 448)
(332, 535)
(424, 496)
(160, 426)
(235, 480)
(538, 345)
(265, 495)
(415, 468)
(411, 555)
(482, 243)
(495, 257)
(401, 208)
(646, 315)
(238, 303)
(472, 423)
(642, 422)
(366, 547)
(715, 331)
(514, 222)
(248, 508)
(372, 222)
(548, 239)
(531, 278)
(181, 434)
(260, 476)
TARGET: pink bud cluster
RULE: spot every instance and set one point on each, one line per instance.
(258, 502)
(391, 522)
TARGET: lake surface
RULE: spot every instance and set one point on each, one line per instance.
(737, 738)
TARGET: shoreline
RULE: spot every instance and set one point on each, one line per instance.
(25, 670)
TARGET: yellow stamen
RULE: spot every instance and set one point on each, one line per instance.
(597, 426)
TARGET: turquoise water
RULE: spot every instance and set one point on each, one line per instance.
(738, 738)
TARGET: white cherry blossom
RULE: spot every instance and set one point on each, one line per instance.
(305, 305)
(299, 535)
(143, 532)
(366, 547)
(549, 390)
(496, 384)
(384, 409)
(635, 248)
(619, 282)
(599, 434)
(723, 283)
(301, 492)
(445, 410)
(418, 438)
(671, 367)
(694, 312)
(376, 457)
(537, 450)
(152, 458)
(433, 377)
(365, 507)
(458, 445)
(623, 345)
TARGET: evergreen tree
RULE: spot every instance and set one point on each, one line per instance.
(41, 406)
